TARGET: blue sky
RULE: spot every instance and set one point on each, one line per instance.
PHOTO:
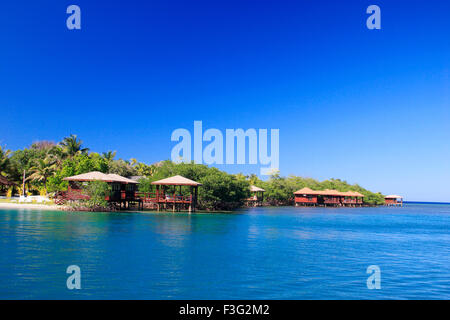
(367, 106)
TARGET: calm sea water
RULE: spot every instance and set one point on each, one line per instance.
(262, 253)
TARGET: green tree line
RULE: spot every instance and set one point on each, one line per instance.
(280, 190)
(45, 164)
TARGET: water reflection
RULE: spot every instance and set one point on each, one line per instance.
(262, 253)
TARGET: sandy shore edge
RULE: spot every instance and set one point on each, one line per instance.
(4, 205)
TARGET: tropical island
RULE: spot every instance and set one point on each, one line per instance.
(44, 168)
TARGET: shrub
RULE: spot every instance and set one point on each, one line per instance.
(97, 191)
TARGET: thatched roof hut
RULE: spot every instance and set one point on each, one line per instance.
(177, 181)
(352, 194)
(393, 196)
(100, 176)
(308, 191)
(256, 189)
(327, 192)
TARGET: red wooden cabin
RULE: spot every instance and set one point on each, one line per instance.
(122, 189)
(393, 200)
(352, 198)
(332, 197)
(306, 196)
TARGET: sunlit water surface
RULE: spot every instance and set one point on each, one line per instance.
(262, 253)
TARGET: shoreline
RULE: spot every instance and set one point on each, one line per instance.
(52, 207)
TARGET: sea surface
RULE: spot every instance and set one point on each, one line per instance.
(261, 253)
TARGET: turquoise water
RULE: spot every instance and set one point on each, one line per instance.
(262, 253)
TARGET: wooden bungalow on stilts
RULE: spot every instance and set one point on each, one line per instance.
(331, 198)
(176, 193)
(122, 192)
(257, 198)
(393, 200)
(308, 197)
(352, 199)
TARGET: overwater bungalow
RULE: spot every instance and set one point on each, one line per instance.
(393, 200)
(257, 198)
(352, 198)
(176, 193)
(122, 189)
(331, 198)
(306, 196)
(309, 197)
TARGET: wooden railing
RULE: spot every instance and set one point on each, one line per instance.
(72, 195)
(62, 196)
(161, 197)
(332, 201)
(305, 200)
(81, 195)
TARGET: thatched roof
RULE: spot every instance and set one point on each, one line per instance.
(177, 181)
(393, 196)
(256, 189)
(118, 178)
(308, 191)
(99, 176)
(352, 194)
(6, 182)
(328, 192)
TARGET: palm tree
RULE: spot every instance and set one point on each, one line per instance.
(72, 146)
(56, 155)
(145, 170)
(109, 156)
(253, 179)
(42, 170)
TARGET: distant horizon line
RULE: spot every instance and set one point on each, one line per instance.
(433, 202)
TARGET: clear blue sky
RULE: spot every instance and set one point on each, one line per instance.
(370, 107)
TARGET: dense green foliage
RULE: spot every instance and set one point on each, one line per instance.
(219, 191)
(97, 191)
(45, 164)
(280, 190)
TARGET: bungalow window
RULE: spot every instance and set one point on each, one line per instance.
(115, 187)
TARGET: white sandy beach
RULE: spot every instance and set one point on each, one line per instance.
(4, 205)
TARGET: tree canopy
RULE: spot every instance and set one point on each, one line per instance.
(46, 164)
(280, 190)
